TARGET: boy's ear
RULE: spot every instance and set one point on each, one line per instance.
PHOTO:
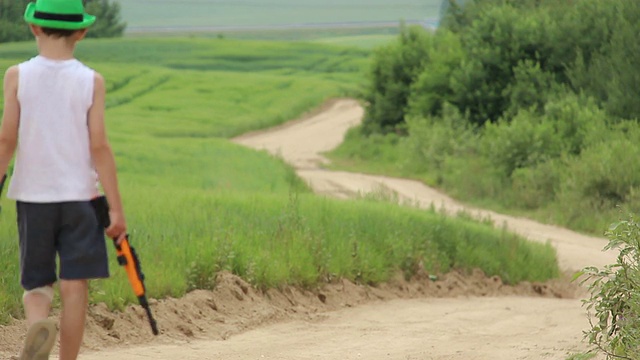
(35, 30)
(80, 34)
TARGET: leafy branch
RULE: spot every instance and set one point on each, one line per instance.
(614, 302)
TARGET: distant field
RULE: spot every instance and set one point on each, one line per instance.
(363, 41)
(144, 15)
(360, 37)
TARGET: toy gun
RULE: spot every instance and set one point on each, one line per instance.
(127, 258)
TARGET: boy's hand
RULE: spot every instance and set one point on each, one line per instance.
(117, 230)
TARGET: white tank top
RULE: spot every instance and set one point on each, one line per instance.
(53, 160)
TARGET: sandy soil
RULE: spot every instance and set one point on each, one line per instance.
(455, 317)
(513, 328)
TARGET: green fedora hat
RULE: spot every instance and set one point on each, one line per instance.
(58, 14)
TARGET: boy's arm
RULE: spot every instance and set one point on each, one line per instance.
(104, 161)
(10, 119)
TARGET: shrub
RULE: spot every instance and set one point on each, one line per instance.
(432, 89)
(614, 302)
(525, 141)
(395, 67)
(609, 56)
(499, 39)
(578, 121)
(530, 89)
(536, 186)
(603, 176)
(433, 139)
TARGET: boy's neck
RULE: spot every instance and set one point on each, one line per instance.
(56, 48)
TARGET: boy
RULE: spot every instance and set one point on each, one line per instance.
(54, 116)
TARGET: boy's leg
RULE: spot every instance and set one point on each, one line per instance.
(37, 304)
(37, 229)
(83, 256)
(74, 295)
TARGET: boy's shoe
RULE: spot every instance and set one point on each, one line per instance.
(40, 339)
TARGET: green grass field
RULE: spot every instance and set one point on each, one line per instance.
(363, 41)
(197, 203)
(364, 38)
(251, 13)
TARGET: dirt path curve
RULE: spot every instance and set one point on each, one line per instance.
(301, 143)
(499, 328)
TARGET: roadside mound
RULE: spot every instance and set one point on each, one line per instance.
(235, 306)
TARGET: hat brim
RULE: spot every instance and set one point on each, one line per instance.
(29, 17)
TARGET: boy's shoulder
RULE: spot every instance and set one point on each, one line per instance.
(11, 75)
(98, 80)
(12, 70)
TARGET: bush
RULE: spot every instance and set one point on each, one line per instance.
(536, 186)
(525, 141)
(578, 121)
(428, 144)
(433, 139)
(499, 39)
(395, 67)
(532, 150)
(432, 89)
(608, 60)
(604, 176)
(614, 302)
(580, 30)
(444, 150)
(531, 88)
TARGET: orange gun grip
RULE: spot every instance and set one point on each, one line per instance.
(130, 267)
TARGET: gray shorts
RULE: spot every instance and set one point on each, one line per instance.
(69, 230)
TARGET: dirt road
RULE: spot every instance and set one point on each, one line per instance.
(301, 144)
(476, 328)
(429, 329)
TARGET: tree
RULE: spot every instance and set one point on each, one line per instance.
(452, 15)
(395, 67)
(12, 27)
(499, 40)
(608, 61)
(109, 22)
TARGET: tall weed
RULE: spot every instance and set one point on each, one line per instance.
(614, 302)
